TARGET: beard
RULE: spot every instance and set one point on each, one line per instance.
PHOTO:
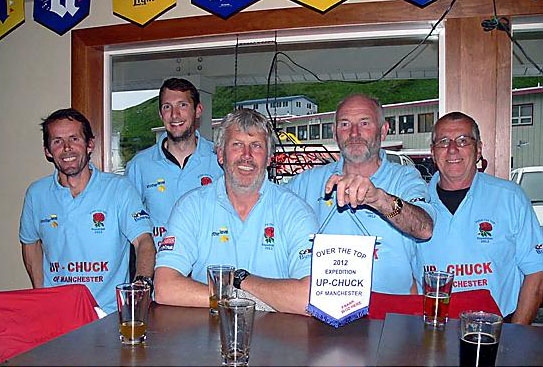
(184, 136)
(359, 150)
(243, 184)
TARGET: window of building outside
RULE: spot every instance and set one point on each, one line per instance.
(314, 132)
(255, 106)
(406, 124)
(302, 132)
(391, 124)
(308, 106)
(426, 122)
(522, 114)
(298, 104)
(285, 103)
(327, 132)
(291, 130)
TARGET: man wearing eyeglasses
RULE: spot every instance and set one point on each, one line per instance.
(365, 194)
(486, 231)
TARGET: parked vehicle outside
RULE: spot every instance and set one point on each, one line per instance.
(531, 180)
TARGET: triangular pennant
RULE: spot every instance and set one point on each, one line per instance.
(341, 271)
(60, 16)
(319, 5)
(223, 8)
(141, 12)
(421, 3)
(12, 15)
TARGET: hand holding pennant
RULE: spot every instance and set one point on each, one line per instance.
(341, 271)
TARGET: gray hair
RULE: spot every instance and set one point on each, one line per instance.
(245, 119)
(456, 116)
(378, 108)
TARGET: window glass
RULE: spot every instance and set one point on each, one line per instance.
(327, 132)
(426, 122)
(302, 132)
(407, 123)
(314, 132)
(391, 124)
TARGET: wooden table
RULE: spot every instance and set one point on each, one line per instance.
(180, 336)
(405, 340)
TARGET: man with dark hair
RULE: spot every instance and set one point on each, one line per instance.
(242, 219)
(77, 224)
(180, 161)
(486, 231)
(365, 194)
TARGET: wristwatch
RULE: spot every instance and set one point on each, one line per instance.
(145, 280)
(239, 276)
(398, 206)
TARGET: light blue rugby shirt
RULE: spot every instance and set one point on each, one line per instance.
(272, 242)
(394, 256)
(85, 239)
(160, 182)
(491, 242)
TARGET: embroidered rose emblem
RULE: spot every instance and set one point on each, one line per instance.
(205, 180)
(485, 229)
(98, 219)
(269, 233)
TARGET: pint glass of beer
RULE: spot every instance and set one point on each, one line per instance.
(133, 305)
(437, 294)
(479, 338)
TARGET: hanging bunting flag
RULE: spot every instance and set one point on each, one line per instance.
(319, 5)
(223, 8)
(141, 12)
(60, 15)
(12, 15)
(421, 3)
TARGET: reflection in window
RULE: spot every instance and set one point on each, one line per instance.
(426, 122)
(327, 132)
(391, 124)
(407, 123)
(522, 114)
(302, 132)
(314, 132)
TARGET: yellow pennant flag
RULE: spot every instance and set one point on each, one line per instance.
(12, 15)
(141, 12)
(320, 5)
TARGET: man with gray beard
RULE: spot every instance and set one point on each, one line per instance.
(364, 194)
(241, 219)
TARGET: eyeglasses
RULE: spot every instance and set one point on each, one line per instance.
(460, 141)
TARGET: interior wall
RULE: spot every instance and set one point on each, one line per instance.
(35, 80)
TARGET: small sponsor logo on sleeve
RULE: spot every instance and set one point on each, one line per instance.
(166, 244)
(142, 214)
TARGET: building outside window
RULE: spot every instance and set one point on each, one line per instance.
(291, 130)
(302, 132)
(298, 104)
(391, 124)
(327, 132)
(314, 132)
(255, 107)
(522, 114)
(407, 124)
(426, 122)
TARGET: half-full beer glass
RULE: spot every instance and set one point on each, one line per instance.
(437, 294)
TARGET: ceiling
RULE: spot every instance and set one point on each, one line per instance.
(350, 53)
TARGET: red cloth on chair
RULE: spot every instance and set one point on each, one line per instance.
(31, 317)
(381, 303)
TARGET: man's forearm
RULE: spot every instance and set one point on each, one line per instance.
(414, 221)
(33, 261)
(145, 255)
(173, 288)
(284, 295)
(530, 297)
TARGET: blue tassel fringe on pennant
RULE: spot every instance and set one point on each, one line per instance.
(324, 317)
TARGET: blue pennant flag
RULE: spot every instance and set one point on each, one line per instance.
(223, 8)
(421, 3)
(60, 15)
(3, 10)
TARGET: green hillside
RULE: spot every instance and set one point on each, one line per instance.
(134, 124)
